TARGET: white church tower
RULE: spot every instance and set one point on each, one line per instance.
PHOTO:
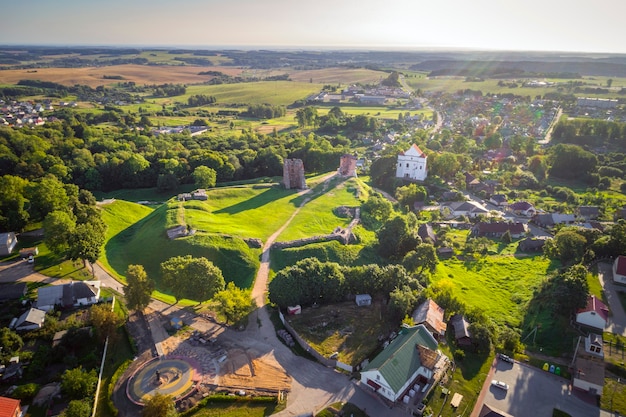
(412, 164)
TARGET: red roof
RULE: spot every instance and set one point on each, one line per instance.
(621, 265)
(593, 304)
(9, 407)
(419, 151)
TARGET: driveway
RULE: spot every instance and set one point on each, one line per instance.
(533, 393)
(617, 319)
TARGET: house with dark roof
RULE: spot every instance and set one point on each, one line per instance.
(430, 315)
(522, 208)
(13, 291)
(498, 229)
(426, 233)
(491, 411)
(32, 319)
(588, 374)
(595, 314)
(588, 212)
(499, 200)
(73, 294)
(411, 359)
(10, 407)
(531, 244)
(619, 269)
(550, 220)
(461, 330)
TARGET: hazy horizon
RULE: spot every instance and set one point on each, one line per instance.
(575, 26)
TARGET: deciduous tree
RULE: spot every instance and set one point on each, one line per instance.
(234, 303)
(159, 405)
(192, 278)
(204, 177)
(139, 289)
(78, 383)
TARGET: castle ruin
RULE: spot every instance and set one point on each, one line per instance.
(293, 174)
(347, 165)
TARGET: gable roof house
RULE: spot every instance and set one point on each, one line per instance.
(463, 208)
(13, 291)
(551, 219)
(588, 372)
(498, 229)
(461, 330)
(619, 269)
(7, 243)
(10, 407)
(412, 164)
(589, 212)
(74, 294)
(595, 314)
(523, 208)
(430, 315)
(32, 319)
(531, 244)
(426, 233)
(411, 358)
(499, 200)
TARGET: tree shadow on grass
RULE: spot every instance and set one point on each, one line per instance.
(318, 190)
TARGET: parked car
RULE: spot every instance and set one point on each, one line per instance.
(500, 384)
(505, 358)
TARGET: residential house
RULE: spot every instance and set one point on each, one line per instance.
(7, 243)
(498, 229)
(491, 411)
(412, 164)
(445, 252)
(619, 269)
(74, 294)
(531, 244)
(32, 319)
(10, 407)
(499, 200)
(410, 360)
(595, 314)
(430, 315)
(552, 219)
(475, 185)
(523, 208)
(588, 374)
(461, 330)
(13, 291)
(589, 212)
(426, 233)
(462, 208)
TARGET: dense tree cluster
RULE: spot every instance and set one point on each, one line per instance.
(265, 111)
(192, 278)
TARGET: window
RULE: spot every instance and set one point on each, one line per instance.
(377, 377)
(407, 164)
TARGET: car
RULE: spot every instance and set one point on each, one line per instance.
(500, 384)
(506, 358)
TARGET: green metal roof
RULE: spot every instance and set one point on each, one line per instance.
(399, 361)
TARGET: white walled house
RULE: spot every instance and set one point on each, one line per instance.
(595, 314)
(412, 164)
(410, 359)
(619, 269)
(74, 294)
(588, 372)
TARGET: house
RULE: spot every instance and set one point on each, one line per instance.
(13, 291)
(462, 208)
(498, 229)
(445, 252)
(10, 407)
(595, 314)
(523, 208)
(430, 315)
(619, 269)
(410, 359)
(426, 233)
(74, 294)
(498, 200)
(531, 244)
(7, 243)
(588, 374)
(491, 411)
(363, 300)
(589, 212)
(552, 219)
(475, 185)
(31, 320)
(412, 164)
(461, 330)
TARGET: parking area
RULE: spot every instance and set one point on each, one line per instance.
(534, 393)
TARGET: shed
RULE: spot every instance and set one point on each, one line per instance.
(363, 300)
(291, 310)
(31, 320)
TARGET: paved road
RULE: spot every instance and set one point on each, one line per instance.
(617, 320)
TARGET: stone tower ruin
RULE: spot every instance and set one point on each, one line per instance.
(293, 174)
(347, 165)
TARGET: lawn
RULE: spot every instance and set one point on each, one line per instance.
(235, 409)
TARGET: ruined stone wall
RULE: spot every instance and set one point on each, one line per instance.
(293, 174)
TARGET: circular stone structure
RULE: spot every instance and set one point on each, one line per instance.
(168, 376)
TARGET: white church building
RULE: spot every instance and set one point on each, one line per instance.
(412, 164)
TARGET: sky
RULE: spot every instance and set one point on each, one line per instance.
(528, 25)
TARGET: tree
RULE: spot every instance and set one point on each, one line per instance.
(409, 194)
(192, 278)
(402, 300)
(424, 257)
(234, 303)
(565, 156)
(204, 177)
(10, 343)
(377, 207)
(105, 321)
(159, 405)
(572, 288)
(139, 289)
(77, 408)
(78, 384)
(58, 227)
(445, 165)
(482, 337)
(46, 196)
(568, 245)
(396, 238)
(13, 213)
(609, 82)
(87, 239)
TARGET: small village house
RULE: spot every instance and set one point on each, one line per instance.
(7, 243)
(462, 334)
(10, 407)
(430, 315)
(522, 208)
(74, 294)
(13, 291)
(595, 314)
(619, 269)
(498, 229)
(32, 319)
